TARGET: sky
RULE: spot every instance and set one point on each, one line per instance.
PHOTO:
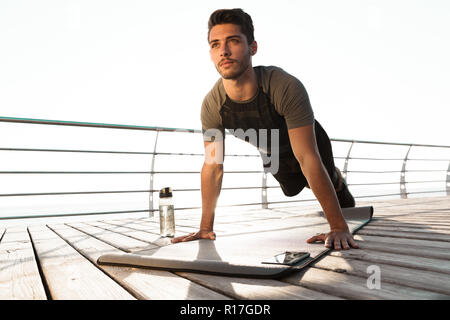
(374, 70)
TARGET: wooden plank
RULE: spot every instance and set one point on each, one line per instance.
(419, 212)
(428, 264)
(406, 229)
(429, 281)
(406, 213)
(403, 219)
(408, 235)
(406, 249)
(354, 287)
(435, 207)
(421, 209)
(411, 223)
(68, 274)
(259, 289)
(149, 224)
(134, 225)
(180, 228)
(144, 283)
(19, 274)
(424, 226)
(154, 240)
(410, 242)
(117, 240)
(188, 223)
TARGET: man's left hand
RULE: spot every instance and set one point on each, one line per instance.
(337, 239)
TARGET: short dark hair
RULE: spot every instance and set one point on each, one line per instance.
(234, 16)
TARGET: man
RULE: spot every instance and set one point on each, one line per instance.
(264, 99)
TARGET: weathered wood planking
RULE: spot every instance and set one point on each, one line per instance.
(19, 274)
(418, 225)
(401, 260)
(406, 249)
(117, 240)
(415, 218)
(143, 283)
(407, 235)
(259, 289)
(430, 281)
(68, 274)
(413, 223)
(407, 229)
(353, 287)
(149, 237)
(408, 240)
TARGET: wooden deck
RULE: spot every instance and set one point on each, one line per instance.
(408, 240)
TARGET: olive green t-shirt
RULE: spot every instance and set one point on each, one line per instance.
(286, 93)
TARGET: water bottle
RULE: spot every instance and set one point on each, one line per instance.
(166, 213)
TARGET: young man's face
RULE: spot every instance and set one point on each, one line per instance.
(229, 50)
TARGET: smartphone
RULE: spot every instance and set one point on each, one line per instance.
(287, 258)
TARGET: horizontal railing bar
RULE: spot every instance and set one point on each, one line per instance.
(420, 192)
(181, 172)
(395, 194)
(361, 158)
(383, 183)
(290, 201)
(357, 197)
(412, 159)
(153, 128)
(122, 152)
(189, 154)
(395, 171)
(113, 212)
(74, 151)
(120, 191)
(186, 190)
(390, 143)
(358, 171)
(75, 172)
(425, 170)
(73, 214)
(389, 159)
(116, 172)
(381, 195)
(95, 125)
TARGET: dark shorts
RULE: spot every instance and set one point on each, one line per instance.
(293, 183)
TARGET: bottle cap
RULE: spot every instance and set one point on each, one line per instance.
(165, 192)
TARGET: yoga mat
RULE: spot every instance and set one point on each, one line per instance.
(243, 254)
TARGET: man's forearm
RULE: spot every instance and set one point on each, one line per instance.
(211, 183)
(323, 189)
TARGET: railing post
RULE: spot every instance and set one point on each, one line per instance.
(403, 193)
(447, 185)
(264, 203)
(347, 159)
(152, 176)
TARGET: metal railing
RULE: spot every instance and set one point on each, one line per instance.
(264, 203)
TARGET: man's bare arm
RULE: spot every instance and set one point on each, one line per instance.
(304, 145)
(211, 184)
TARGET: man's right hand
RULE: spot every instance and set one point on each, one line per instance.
(201, 234)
